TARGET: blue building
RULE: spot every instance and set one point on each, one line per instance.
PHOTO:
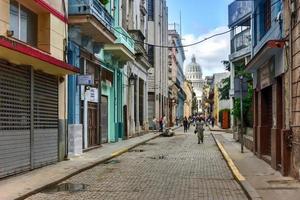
(268, 68)
(239, 21)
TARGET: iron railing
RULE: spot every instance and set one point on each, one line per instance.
(92, 7)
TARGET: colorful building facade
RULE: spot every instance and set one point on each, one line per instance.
(33, 104)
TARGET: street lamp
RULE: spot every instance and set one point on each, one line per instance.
(132, 78)
(242, 117)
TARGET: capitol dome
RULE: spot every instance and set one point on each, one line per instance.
(193, 70)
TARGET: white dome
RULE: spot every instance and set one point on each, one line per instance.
(193, 70)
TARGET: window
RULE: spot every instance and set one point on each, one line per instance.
(151, 10)
(23, 23)
(151, 54)
(267, 15)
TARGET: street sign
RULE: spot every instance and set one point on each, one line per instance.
(237, 87)
(93, 95)
(85, 79)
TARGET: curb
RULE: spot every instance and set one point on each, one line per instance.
(246, 186)
(84, 168)
(220, 130)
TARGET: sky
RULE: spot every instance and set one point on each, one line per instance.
(201, 19)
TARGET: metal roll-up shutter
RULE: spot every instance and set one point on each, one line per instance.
(151, 106)
(45, 146)
(14, 119)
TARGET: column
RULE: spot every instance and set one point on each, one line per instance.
(146, 121)
(131, 108)
(137, 103)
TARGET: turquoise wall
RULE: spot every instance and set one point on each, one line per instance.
(108, 91)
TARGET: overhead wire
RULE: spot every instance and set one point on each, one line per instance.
(187, 45)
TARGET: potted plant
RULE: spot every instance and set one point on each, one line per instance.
(104, 2)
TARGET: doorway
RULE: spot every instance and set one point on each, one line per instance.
(92, 125)
(104, 119)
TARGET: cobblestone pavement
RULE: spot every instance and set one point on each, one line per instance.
(165, 168)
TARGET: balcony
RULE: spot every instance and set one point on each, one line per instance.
(139, 48)
(241, 44)
(124, 38)
(92, 17)
(123, 47)
(239, 12)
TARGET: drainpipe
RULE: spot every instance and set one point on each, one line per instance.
(85, 113)
(291, 62)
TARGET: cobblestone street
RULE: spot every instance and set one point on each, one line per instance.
(165, 168)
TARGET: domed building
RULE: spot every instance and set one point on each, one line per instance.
(193, 73)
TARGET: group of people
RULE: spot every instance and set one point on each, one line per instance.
(198, 121)
(162, 123)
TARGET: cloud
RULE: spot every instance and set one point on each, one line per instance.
(210, 53)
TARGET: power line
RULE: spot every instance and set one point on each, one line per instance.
(192, 44)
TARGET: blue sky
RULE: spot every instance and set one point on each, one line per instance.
(198, 16)
(200, 19)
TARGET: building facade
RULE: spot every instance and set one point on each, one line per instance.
(188, 90)
(193, 73)
(239, 16)
(268, 66)
(134, 19)
(176, 58)
(33, 119)
(218, 103)
(158, 57)
(291, 133)
(100, 47)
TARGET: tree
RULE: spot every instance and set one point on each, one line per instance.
(225, 84)
(247, 101)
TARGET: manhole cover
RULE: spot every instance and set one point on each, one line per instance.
(136, 150)
(159, 157)
(66, 187)
(111, 162)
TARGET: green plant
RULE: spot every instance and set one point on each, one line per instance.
(104, 2)
(247, 104)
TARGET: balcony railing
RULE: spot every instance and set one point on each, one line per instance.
(241, 40)
(124, 38)
(92, 7)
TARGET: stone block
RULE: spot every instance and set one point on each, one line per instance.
(75, 139)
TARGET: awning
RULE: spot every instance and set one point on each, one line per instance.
(21, 54)
(270, 48)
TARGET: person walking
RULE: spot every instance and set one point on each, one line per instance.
(154, 121)
(185, 124)
(164, 120)
(212, 121)
(161, 124)
(199, 130)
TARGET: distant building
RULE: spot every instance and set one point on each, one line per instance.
(176, 58)
(193, 73)
(219, 104)
(188, 90)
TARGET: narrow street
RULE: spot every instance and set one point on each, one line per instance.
(165, 168)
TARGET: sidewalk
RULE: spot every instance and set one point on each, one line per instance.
(268, 183)
(218, 129)
(21, 186)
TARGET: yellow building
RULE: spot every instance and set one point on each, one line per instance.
(219, 104)
(188, 90)
(33, 109)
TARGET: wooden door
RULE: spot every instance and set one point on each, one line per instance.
(92, 125)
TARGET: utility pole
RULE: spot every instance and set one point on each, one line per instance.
(242, 117)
